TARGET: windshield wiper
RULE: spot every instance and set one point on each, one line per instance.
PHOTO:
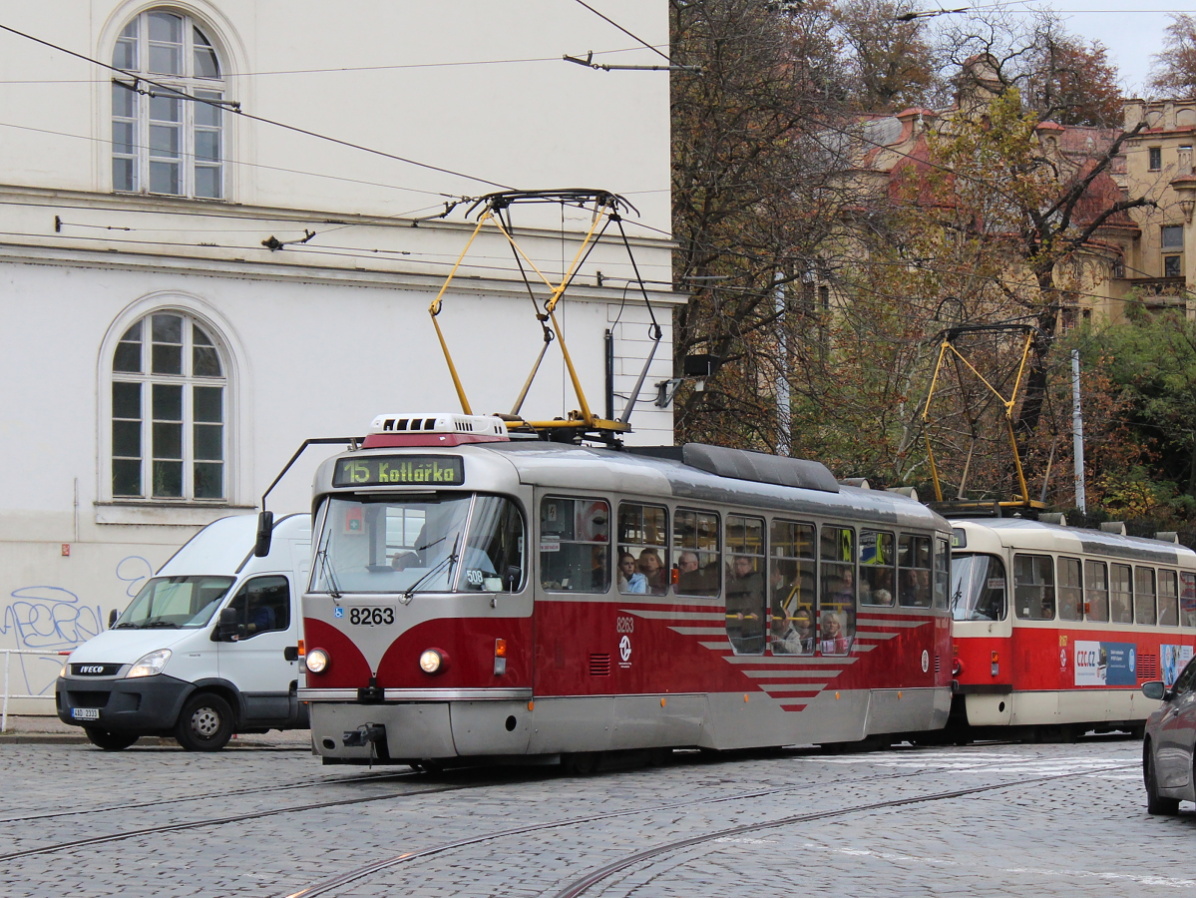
(329, 574)
(160, 624)
(446, 560)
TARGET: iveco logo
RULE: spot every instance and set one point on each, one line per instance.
(91, 668)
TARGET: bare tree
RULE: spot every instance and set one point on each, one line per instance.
(1175, 67)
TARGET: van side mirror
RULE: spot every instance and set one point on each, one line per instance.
(227, 628)
(112, 616)
(1154, 690)
(265, 533)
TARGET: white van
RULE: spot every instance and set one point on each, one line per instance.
(208, 648)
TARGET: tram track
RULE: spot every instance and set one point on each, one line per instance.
(595, 877)
(378, 867)
(209, 796)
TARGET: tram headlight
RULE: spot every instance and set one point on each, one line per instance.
(433, 661)
(317, 661)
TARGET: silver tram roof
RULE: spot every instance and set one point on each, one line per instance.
(1023, 533)
(693, 472)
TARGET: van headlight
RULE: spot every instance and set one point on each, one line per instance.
(149, 665)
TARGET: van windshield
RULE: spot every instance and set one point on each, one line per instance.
(175, 602)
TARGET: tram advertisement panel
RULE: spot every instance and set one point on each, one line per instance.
(1106, 663)
(1173, 659)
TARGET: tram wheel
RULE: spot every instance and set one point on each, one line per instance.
(109, 740)
(205, 724)
(1155, 803)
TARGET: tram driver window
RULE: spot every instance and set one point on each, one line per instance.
(977, 587)
(1034, 587)
(575, 544)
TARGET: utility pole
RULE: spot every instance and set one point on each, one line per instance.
(1077, 430)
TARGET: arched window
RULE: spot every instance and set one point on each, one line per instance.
(169, 410)
(169, 141)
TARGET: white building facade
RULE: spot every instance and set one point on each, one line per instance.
(221, 228)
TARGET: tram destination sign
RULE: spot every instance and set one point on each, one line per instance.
(392, 470)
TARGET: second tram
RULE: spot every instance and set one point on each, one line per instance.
(479, 595)
(1056, 627)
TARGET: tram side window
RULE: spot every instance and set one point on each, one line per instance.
(1034, 587)
(1121, 594)
(643, 563)
(836, 618)
(745, 584)
(1096, 591)
(1145, 611)
(1168, 599)
(1071, 591)
(913, 560)
(791, 570)
(1187, 598)
(696, 542)
(942, 572)
(575, 544)
(878, 568)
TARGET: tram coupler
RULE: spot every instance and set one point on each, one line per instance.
(370, 695)
(366, 734)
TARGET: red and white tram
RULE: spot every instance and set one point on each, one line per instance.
(1055, 628)
(474, 594)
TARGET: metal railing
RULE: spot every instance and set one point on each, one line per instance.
(5, 690)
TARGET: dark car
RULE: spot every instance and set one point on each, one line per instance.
(1167, 750)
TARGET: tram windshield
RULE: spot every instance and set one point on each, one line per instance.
(977, 587)
(427, 542)
(174, 603)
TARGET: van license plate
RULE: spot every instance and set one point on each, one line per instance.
(85, 713)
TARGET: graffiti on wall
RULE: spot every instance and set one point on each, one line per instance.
(47, 621)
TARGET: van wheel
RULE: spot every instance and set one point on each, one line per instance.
(108, 739)
(206, 723)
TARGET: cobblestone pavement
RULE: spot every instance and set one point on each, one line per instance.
(1055, 820)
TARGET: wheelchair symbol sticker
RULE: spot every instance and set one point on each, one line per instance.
(339, 612)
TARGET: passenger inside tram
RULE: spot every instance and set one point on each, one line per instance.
(745, 606)
(631, 581)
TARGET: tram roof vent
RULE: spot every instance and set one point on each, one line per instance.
(1053, 517)
(910, 492)
(440, 422)
(439, 429)
(1167, 536)
(743, 464)
(860, 482)
(1117, 527)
